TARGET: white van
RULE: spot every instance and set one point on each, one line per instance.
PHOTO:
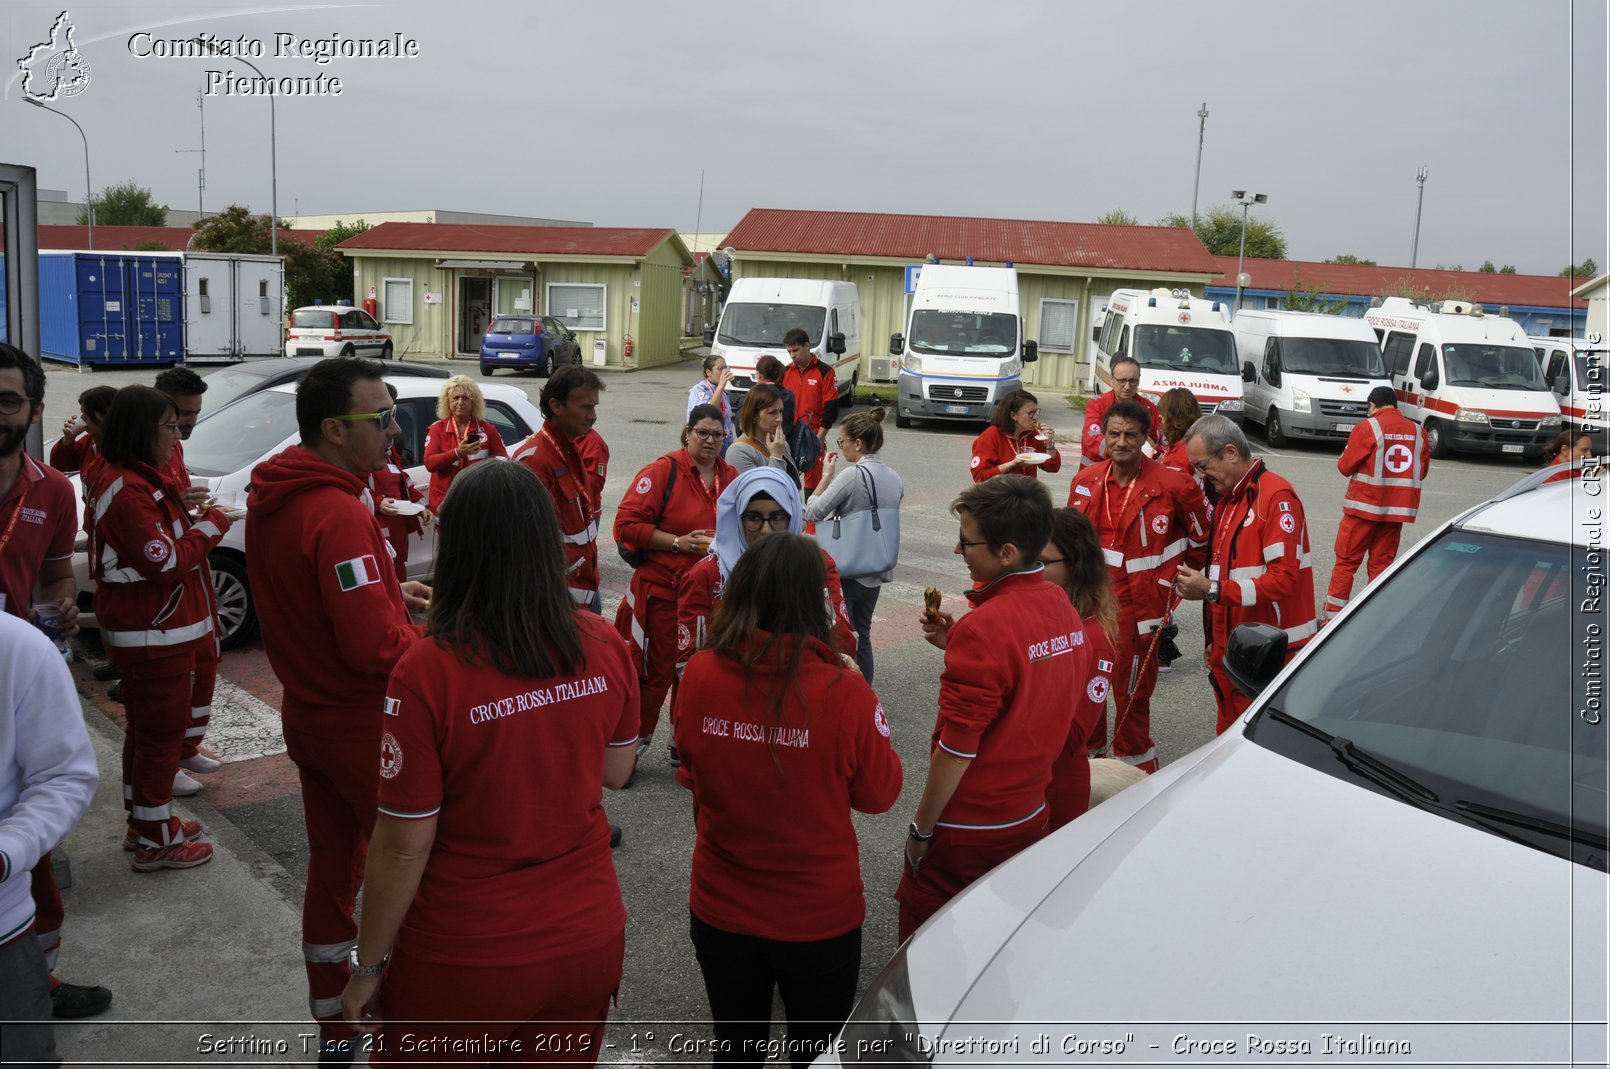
(1579, 374)
(1469, 378)
(759, 311)
(1307, 375)
(1179, 340)
(963, 346)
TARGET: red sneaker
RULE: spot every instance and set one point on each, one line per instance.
(186, 855)
(192, 831)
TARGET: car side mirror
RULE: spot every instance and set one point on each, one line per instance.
(1256, 654)
(1429, 380)
(1031, 352)
(897, 344)
(835, 344)
(1248, 372)
(709, 336)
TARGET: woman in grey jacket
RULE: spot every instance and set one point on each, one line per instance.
(844, 490)
(762, 443)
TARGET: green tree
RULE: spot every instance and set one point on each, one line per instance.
(1301, 298)
(1488, 268)
(125, 204)
(1117, 217)
(1219, 228)
(309, 272)
(1507, 269)
(1586, 269)
(1349, 258)
(339, 269)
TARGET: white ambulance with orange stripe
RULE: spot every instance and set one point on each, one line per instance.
(1578, 372)
(1469, 378)
(1180, 340)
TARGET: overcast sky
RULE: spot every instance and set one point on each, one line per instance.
(606, 111)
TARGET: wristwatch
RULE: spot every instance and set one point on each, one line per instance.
(1213, 591)
(357, 969)
(676, 544)
(917, 835)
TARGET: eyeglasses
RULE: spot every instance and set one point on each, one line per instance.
(709, 436)
(1053, 560)
(171, 428)
(1202, 465)
(10, 402)
(961, 540)
(754, 521)
(386, 417)
(1126, 382)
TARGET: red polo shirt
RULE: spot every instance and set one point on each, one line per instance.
(38, 522)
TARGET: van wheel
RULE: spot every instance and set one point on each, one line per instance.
(237, 612)
(385, 351)
(1435, 441)
(545, 365)
(1273, 432)
(348, 351)
(847, 400)
(903, 422)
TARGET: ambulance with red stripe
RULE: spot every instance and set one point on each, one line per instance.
(1180, 340)
(1470, 379)
(1578, 372)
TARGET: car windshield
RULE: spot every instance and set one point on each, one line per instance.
(231, 383)
(1459, 674)
(963, 333)
(312, 319)
(239, 436)
(513, 326)
(1168, 348)
(765, 324)
(1332, 356)
(1493, 367)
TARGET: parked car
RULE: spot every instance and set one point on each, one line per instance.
(230, 441)
(237, 380)
(1398, 854)
(539, 343)
(335, 330)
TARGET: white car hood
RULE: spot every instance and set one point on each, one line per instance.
(1254, 889)
(1532, 404)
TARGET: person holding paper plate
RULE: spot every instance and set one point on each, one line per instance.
(844, 507)
(1015, 442)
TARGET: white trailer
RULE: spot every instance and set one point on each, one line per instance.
(234, 306)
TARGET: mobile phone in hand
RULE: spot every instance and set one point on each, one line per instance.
(473, 436)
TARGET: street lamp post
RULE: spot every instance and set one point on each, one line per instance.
(1246, 200)
(273, 152)
(89, 191)
(1414, 249)
(1201, 133)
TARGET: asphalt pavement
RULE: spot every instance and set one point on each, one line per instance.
(213, 952)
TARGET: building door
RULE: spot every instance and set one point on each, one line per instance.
(474, 313)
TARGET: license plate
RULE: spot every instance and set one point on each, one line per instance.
(1513, 448)
(1345, 428)
(956, 410)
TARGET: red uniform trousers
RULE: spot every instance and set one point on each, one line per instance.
(1354, 538)
(554, 1009)
(1132, 667)
(48, 911)
(1231, 702)
(1068, 796)
(647, 620)
(156, 703)
(206, 679)
(340, 779)
(956, 857)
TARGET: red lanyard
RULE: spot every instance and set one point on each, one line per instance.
(577, 475)
(16, 513)
(1106, 509)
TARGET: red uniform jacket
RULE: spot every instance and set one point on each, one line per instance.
(67, 454)
(815, 390)
(37, 523)
(561, 469)
(1261, 560)
(594, 452)
(1388, 458)
(692, 507)
(699, 591)
(1175, 457)
(333, 618)
(1095, 437)
(995, 447)
(1011, 665)
(442, 459)
(1069, 793)
(153, 593)
(1146, 529)
(776, 854)
(392, 481)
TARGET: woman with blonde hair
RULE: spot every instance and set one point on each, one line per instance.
(460, 436)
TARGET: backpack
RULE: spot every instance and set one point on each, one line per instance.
(636, 557)
(806, 447)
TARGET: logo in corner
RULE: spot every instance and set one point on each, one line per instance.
(1097, 689)
(644, 485)
(880, 721)
(1160, 524)
(391, 756)
(156, 551)
(54, 69)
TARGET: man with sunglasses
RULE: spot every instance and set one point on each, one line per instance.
(1261, 570)
(1125, 387)
(335, 620)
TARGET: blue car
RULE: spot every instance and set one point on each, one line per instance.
(539, 343)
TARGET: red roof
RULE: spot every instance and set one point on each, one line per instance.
(1492, 290)
(127, 238)
(525, 240)
(954, 238)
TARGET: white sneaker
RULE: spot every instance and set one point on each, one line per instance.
(184, 786)
(200, 762)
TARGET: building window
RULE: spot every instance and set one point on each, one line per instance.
(398, 306)
(1059, 325)
(203, 295)
(580, 306)
(1272, 302)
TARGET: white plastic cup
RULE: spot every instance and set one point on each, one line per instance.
(47, 617)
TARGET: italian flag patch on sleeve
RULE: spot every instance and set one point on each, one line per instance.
(357, 572)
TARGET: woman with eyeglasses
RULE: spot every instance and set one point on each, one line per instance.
(460, 436)
(712, 390)
(154, 605)
(663, 526)
(760, 502)
(848, 490)
(503, 726)
(1015, 442)
(780, 742)
(1074, 562)
(762, 443)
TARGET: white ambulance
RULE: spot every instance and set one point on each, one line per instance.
(1307, 374)
(1179, 340)
(759, 311)
(1469, 378)
(1579, 374)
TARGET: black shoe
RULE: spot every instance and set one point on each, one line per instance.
(675, 756)
(336, 1052)
(105, 673)
(69, 1002)
(115, 691)
(614, 836)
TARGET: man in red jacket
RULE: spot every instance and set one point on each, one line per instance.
(1125, 387)
(816, 395)
(1149, 518)
(1261, 570)
(1387, 459)
(1004, 713)
(569, 410)
(335, 621)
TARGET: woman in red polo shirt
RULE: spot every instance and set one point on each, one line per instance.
(490, 890)
(779, 742)
(1015, 441)
(460, 436)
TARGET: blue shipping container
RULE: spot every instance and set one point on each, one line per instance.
(111, 309)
